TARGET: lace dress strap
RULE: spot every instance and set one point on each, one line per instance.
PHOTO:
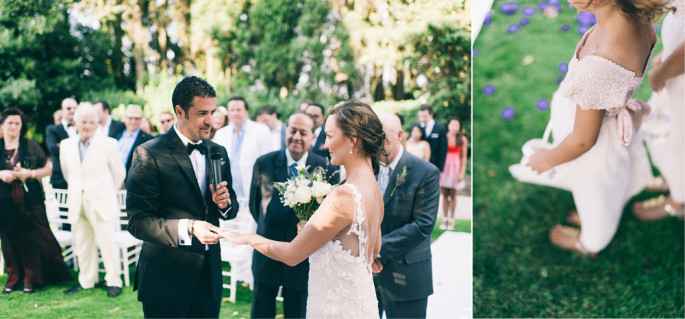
(359, 219)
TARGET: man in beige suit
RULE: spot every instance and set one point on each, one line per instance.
(93, 169)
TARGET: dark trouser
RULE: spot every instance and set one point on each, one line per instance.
(401, 309)
(264, 301)
(203, 306)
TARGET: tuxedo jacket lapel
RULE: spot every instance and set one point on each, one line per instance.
(393, 178)
(179, 153)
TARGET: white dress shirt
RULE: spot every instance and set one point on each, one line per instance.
(386, 170)
(276, 137)
(104, 130)
(71, 129)
(429, 127)
(290, 160)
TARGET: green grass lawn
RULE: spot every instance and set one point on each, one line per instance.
(50, 302)
(517, 272)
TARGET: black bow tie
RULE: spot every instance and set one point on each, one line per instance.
(198, 147)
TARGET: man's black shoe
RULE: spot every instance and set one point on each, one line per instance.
(73, 290)
(113, 291)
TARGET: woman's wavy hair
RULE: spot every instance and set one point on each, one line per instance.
(643, 11)
(357, 119)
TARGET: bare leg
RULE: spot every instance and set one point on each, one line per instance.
(445, 206)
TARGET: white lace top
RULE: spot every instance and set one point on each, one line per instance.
(340, 280)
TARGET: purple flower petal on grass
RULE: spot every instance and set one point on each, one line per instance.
(524, 21)
(513, 28)
(559, 79)
(586, 19)
(488, 90)
(529, 11)
(565, 27)
(488, 19)
(542, 6)
(562, 67)
(581, 30)
(542, 104)
(507, 113)
(553, 2)
(656, 28)
(509, 8)
(474, 53)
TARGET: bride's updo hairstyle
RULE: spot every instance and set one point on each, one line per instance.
(356, 119)
(642, 11)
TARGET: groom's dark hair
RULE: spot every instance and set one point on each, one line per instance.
(187, 89)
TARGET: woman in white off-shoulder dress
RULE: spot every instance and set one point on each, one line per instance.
(666, 129)
(343, 235)
(597, 153)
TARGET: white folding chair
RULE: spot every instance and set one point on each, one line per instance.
(129, 246)
(56, 208)
(239, 257)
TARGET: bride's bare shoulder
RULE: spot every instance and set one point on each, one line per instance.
(341, 198)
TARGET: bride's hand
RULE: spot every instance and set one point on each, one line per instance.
(236, 238)
(377, 266)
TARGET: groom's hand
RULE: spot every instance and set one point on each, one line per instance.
(376, 266)
(220, 196)
(206, 233)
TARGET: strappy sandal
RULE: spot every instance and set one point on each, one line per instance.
(443, 225)
(657, 185)
(657, 208)
(450, 224)
(573, 218)
(568, 238)
(7, 291)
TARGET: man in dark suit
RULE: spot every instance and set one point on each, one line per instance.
(411, 189)
(317, 111)
(133, 136)
(54, 134)
(278, 222)
(107, 125)
(436, 135)
(174, 207)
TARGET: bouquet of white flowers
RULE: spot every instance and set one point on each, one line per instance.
(305, 192)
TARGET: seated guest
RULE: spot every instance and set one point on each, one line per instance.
(133, 135)
(267, 116)
(32, 255)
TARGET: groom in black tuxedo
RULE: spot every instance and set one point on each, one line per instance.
(174, 208)
(411, 189)
(278, 222)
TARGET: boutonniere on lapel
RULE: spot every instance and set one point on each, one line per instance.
(400, 179)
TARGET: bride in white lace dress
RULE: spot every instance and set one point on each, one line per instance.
(343, 235)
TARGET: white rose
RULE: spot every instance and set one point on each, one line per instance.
(320, 189)
(290, 199)
(303, 195)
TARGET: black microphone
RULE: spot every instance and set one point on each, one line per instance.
(215, 155)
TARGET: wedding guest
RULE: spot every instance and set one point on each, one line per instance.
(317, 111)
(435, 135)
(33, 258)
(417, 145)
(594, 154)
(54, 134)
(95, 173)
(166, 119)
(276, 221)
(133, 135)
(452, 177)
(245, 140)
(267, 116)
(410, 188)
(107, 126)
(174, 207)
(219, 120)
(667, 80)
(147, 127)
(57, 117)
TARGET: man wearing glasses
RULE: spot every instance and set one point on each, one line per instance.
(167, 121)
